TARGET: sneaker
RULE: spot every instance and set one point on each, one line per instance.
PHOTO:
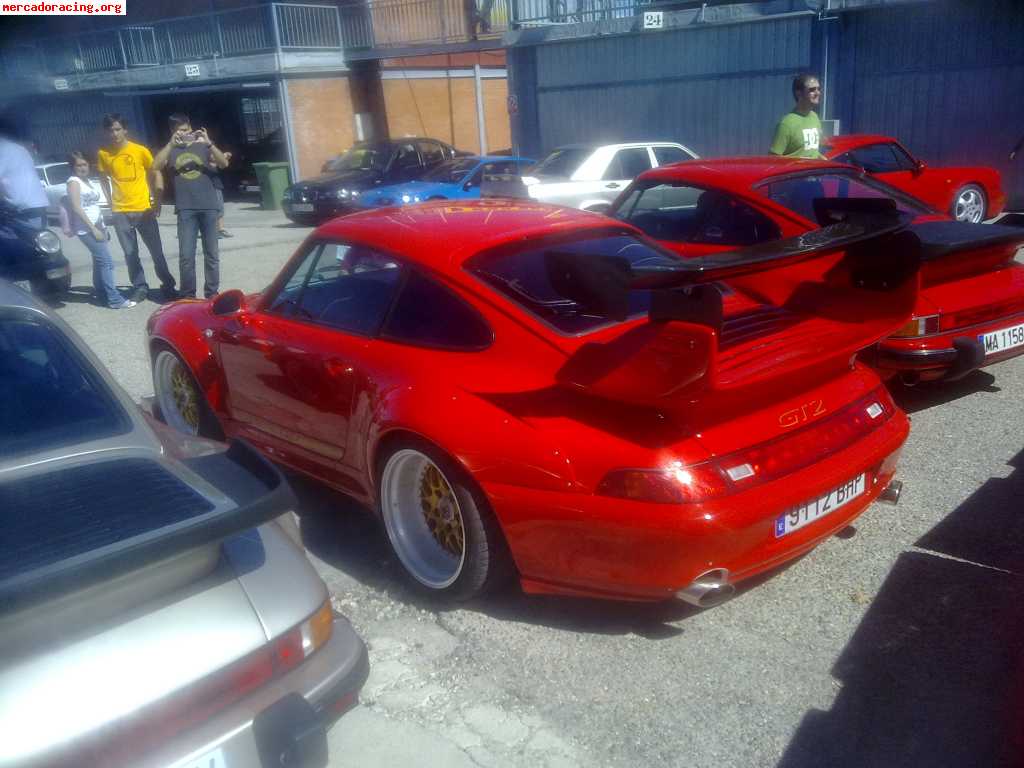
(126, 304)
(139, 294)
(170, 293)
(224, 233)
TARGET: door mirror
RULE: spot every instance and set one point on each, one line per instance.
(919, 166)
(229, 303)
(600, 208)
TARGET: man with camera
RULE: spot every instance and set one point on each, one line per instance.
(192, 158)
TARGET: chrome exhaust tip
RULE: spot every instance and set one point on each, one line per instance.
(709, 589)
(891, 494)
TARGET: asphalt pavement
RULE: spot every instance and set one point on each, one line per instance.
(897, 643)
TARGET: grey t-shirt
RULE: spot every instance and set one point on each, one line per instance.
(193, 188)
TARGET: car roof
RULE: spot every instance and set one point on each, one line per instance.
(441, 235)
(43, 166)
(620, 144)
(737, 172)
(852, 141)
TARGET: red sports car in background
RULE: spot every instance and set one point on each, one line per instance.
(972, 193)
(539, 389)
(970, 310)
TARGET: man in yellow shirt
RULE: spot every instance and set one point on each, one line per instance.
(126, 169)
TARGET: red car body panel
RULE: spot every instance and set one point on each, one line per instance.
(975, 292)
(539, 418)
(935, 186)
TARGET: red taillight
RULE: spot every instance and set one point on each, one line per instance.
(678, 484)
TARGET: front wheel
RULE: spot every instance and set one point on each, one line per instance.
(182, 404)
(969, 204)
(439, 524)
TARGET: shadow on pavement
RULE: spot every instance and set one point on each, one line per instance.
(348, 537)
(934, 675)
(931, 393)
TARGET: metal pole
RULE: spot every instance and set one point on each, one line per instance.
(124, 56)
(289, 134)
(481, 125)
(337, 20)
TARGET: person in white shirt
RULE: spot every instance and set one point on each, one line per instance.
(86, 221)
(19, 182)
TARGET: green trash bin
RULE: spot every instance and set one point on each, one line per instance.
(274, 178)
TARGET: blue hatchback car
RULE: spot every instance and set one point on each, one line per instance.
(456, 179)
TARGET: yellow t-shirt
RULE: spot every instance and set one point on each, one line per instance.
(128, 168)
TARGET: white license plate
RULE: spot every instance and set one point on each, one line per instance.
(213, 759)
(302, 207)
(1000, 341)
(809, 511)
(250, 188)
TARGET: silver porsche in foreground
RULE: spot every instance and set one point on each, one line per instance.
(156, 606)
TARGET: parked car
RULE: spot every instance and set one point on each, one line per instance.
(32, 256)
(500, 381)
(589, 176)
(970, 194)
(457, 179)
(156, 605)
(970, 311)
(54, 178)
(366, 166)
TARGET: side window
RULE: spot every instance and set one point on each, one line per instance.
(668, 155)
(42, 175)
(846, 157)
(683, 214)
(349, 287)
(876, 158)
(905, 161)
(428, 314)
(628, 164)
(406, 157)
(432, 153)
(723, 220)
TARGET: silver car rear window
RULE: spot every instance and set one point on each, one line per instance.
(49, 394)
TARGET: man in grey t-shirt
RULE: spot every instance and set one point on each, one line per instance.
(189, 155)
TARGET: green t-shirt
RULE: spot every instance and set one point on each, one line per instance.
(798, 136)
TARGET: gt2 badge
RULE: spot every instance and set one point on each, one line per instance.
(805, 412)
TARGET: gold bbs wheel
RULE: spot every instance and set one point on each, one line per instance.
(424, 518)
(176, 393)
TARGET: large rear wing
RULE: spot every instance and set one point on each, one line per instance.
(839, 289)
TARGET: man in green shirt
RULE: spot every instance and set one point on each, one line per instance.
(799, 132)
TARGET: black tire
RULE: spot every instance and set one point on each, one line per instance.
(436, 197)
(486, 563)
(208, 424)
(970, 203)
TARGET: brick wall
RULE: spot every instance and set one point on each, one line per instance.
(322, 120)
(421, 107)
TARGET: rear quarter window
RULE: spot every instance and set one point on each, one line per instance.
(428, 314)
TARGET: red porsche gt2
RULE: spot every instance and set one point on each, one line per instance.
(532, 389)
(970, 310)
(971, 193)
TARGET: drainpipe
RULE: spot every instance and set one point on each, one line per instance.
(289, 134)
(481, 125)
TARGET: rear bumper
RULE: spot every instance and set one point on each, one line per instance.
(947, 356)
(329, 681)
(584, 544)
(322, 210)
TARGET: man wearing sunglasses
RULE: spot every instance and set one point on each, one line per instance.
(799, 132)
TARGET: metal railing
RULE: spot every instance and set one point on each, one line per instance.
(240, 32)
(398, 23)
(544, 12)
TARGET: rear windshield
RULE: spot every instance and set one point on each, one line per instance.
(561, 162)
(799, 192)
(452, 171)
(522, 276)
(49, 395)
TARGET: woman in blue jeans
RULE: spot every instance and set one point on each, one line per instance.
(87, 222)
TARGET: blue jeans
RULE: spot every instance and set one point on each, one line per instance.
(102, 271)
(191, 224)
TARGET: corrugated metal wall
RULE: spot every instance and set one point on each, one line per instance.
(719, 90)
(946, 78)
(60, 124)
